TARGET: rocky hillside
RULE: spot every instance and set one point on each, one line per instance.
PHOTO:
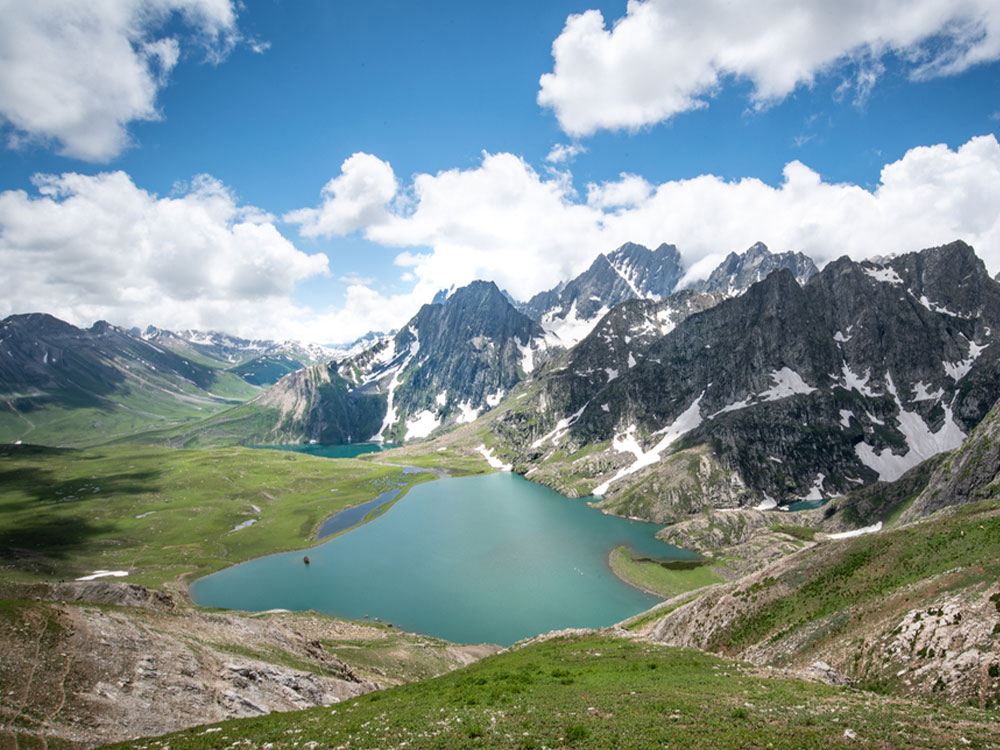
(799, 392)
(85, 664)
(911, 611)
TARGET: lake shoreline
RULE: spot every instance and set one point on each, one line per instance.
(465, 538)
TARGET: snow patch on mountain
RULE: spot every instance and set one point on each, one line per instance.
(390, 413)
(570, 329)
(856, 532)
(688, 420)
(958, 370)
(787, 383)
(921, 393)
(492, 460)
(422, 425)
(885, 274)
(816, 491)
(468, 413)
(921, 442)
(934, 307)
(561, 426)
(852, 381)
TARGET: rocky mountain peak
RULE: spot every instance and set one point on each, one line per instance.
(741, 270)
(570, 310)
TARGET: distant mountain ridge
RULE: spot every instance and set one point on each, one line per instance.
(570, 310)
(62, 384)
(259, 362)
(233, 349)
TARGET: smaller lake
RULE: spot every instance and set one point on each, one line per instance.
(807, 504)
(492, 558)
(331, 450)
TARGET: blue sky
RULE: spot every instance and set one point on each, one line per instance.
(271, 98)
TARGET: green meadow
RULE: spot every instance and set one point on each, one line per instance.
(168, 515)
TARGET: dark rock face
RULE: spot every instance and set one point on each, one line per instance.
(738, 272)
(630, 272)
(468, 351)
(859, 375)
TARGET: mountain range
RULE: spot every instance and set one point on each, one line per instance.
(767, 383)
(786, 392)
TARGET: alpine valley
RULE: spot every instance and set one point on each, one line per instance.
(823, 439)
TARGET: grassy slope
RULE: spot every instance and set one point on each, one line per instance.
(132, 411)
(861, 574)
(665, 579)
(65, 513)
(596, 692)
(244, 424)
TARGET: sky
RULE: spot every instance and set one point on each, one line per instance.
(316, 169)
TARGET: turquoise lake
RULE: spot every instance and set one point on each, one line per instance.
(328, 450)
(491, 558)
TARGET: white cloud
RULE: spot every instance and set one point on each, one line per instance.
(90, 247)
(630, 190)
(77, 73)
(504, 221)
(565, 152)
(355, 199)
(363, 310)
(665, 57)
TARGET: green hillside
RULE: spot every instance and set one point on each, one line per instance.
(594, 691)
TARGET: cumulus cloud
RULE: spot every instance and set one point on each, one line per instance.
(89, 247)
(77, 73)
(628, 191)
(504, 221)
(665, 57)
(355, 199)
(564, 152)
